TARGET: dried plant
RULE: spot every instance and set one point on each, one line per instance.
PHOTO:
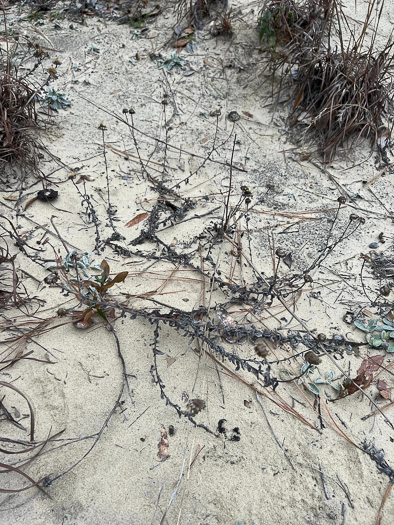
(195, 11)
(11, 292)
(19, 122)
(340, 84)
(222, 25)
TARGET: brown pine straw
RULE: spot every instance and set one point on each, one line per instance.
(385, 496)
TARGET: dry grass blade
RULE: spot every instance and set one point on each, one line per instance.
(10, 292)
(32, 419)
(385, 496)
(9, 468)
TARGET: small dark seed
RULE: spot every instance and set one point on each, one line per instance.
(47, 195)
(385, 291)
(308, 278)
(342, 199)
(281, 253)
(321, 337)
(171, 430)
(353, 217)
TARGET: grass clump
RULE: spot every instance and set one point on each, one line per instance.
(284, 22)
(339, 82)
(19, 121)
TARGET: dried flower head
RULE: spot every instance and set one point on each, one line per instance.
(261, 350)
(195, 406)
(311, 358)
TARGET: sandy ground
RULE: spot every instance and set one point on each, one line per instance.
(207, 479)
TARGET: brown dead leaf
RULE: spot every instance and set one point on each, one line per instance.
(138, 218)
(170, 361)
(386, 394)
(364, 375)
(361, 380)
(371, 364)
(82, 324)
(188, 31)
(383, 390)
(209, 63)
(182, 42)
(381, 385)
(204, 140)
(390, 315)
(163, 446)
(247, 114)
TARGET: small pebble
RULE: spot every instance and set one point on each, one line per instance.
(374, 245)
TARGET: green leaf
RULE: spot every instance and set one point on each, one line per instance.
(101, 313)
(272, 41)
(320, 381)
(361, 326)
(86, 284)
(376, 342)
(390, 348)
(313, 388)
(372, 324)
(380, 328)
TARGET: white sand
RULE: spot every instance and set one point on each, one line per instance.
(121, 481)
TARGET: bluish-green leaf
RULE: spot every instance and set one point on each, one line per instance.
(372, 324)
(313, 388)
(320, 381)
(361, 326)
